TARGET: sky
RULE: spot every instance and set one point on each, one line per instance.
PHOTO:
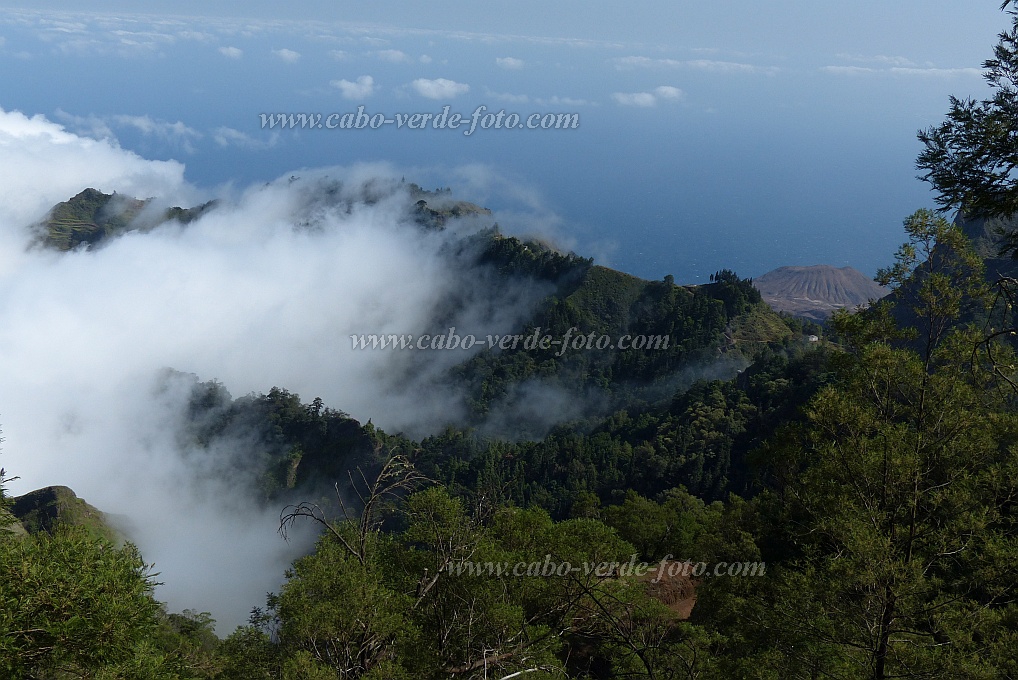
(711, 135)
(734, 135)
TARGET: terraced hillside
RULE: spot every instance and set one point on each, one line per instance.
(90, 217)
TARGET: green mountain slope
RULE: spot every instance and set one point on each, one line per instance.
(47, 509)
(88, 218)
(650, 333)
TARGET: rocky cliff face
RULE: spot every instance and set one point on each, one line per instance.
(987, 236)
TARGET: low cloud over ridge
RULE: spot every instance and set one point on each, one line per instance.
(264, 290)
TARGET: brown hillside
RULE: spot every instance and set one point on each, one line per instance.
(815, 292)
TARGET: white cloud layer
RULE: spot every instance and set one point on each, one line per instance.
(266, 289)
(43, 164)
(708, 65)
(922, 72)
(887, 60)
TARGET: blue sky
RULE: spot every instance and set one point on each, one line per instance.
(734, 134)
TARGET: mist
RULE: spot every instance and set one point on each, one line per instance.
(264, 290)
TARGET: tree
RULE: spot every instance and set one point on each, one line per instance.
(896, 538)
(486, 592)
(72, 602)
(971, 158)
(900, 522)
(936, 278)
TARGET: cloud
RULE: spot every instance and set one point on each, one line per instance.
(539, 101)
(424, 59)
(237, 296)
(197, 36)
(634, 98)
(509, 97)
(101, 128)
(509, 63)
(439, 88)
(103, 35)
(709, 65)
(902, 71)
(124, 35)
(83, 38)
(563, 101)
(111, 34)
(355, 91)
(878, 59)
(43, 164)
(227, 136)
(715, 66)
(89, 126)
(177, 133)
(265, 289)
(631, 62)
(286, 55)
(392, 56)
(937, 72)
(524, 206)
(648, 99)
(231, 52)
(339, 55)
(848, 70)
(668, 92)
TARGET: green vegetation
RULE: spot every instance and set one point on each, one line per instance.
(75, 605)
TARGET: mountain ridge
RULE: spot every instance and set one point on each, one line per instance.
(47, 509)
